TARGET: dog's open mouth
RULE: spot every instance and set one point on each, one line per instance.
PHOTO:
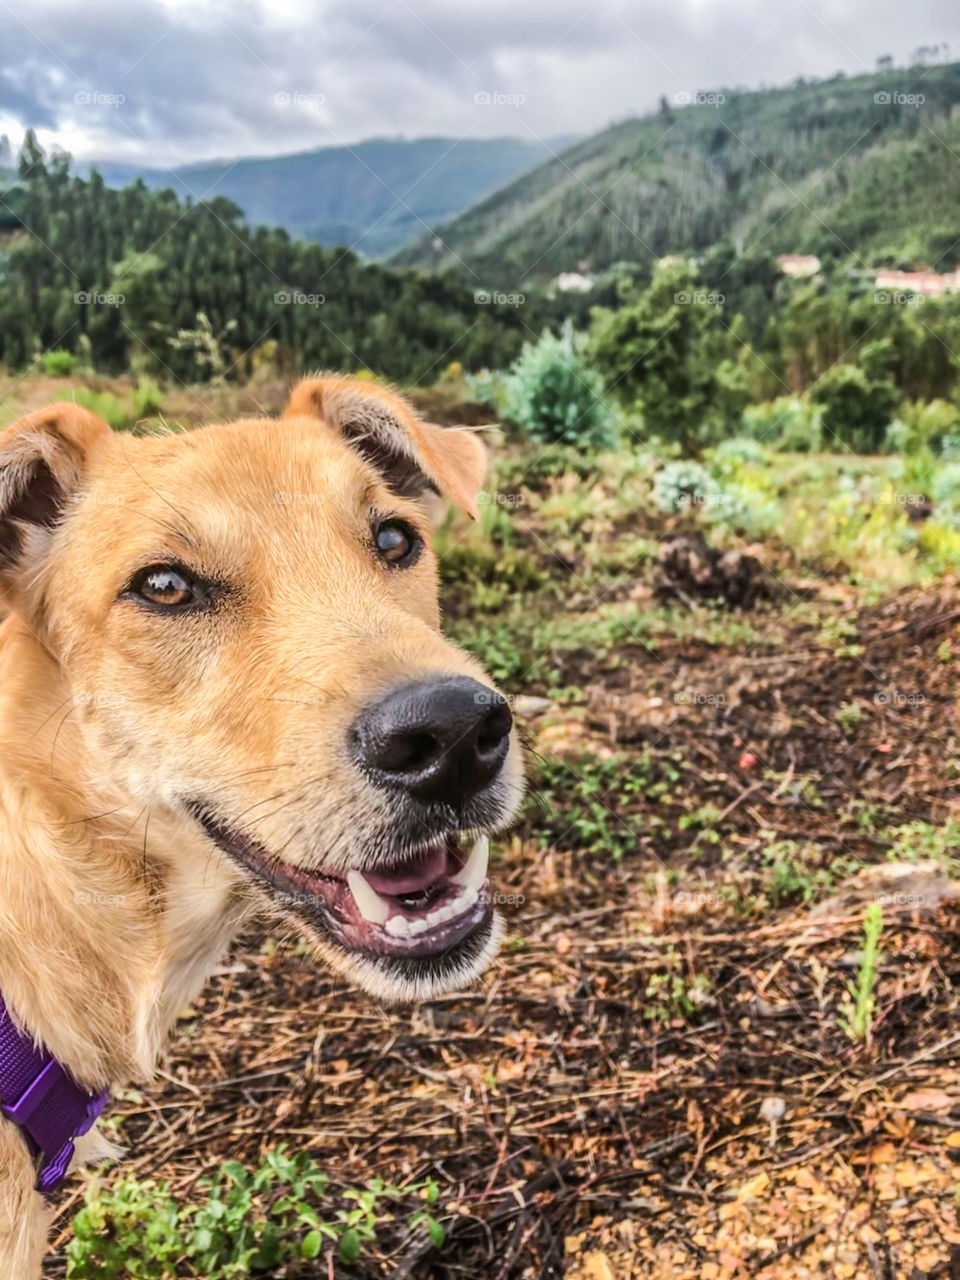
(416, 910)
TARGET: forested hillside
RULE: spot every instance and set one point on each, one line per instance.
(760, 168)
(374, 196)
(134, 277)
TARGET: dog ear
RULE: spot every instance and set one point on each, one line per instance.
(42, 463)
(417, 459)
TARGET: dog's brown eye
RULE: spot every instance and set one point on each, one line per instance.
(397, 544)
(167, 587)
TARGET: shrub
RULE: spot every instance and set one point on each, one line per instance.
(924, 424)
(730, 455)
(668, 354)
(58, 364)
(789, 422)
(681, 484)
(147, 399)
(856, 409)
(553, 395)
(105, 405)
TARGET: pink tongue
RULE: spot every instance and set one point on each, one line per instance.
(411, 877)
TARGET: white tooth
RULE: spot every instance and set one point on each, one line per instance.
(371, 906)
(399, 926)
(473, 873)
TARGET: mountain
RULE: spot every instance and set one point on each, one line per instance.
(863, 166)
(374, 196)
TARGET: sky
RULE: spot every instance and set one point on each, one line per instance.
(164, 82)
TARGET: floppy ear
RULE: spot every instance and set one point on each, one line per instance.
(415, 458)
(42, 463)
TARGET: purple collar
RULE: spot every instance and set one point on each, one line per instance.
(49, 1106)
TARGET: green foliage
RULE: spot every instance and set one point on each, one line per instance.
(147, 399)
(188, 291)
(923, 425)
(733, 170)
(554, 396)
(859, 1004)
(789, 422)
(668, 354)
(58, 364)
(114, 411)
(583, 801)
(347, 195)
(856, 409)
(238, 1223)
(681, 485)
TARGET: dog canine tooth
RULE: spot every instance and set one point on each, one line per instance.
(473, 873)
(371, 906)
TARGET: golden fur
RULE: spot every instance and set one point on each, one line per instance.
(116, 905)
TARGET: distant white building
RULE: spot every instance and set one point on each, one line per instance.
(928, 283)
(573, 282)
(798, 265)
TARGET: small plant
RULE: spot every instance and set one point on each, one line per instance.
(553, 395)
(859, 1004)
(58, 364)
(147, 399)
(240, 1222)
(848, 715)
(679, 485)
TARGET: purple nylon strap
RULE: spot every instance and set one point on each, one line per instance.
(49, 1106)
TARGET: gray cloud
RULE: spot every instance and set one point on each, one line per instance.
(164, 83)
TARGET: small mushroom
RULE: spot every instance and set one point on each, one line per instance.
(772, 1110)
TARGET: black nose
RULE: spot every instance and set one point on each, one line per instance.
(437, 739)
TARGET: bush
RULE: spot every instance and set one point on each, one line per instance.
(58, 364)
(147, 399)
(730, 455)
(856, 409)
(107, 406)
(789, 422)
(668, 355)
(553, 395)
(923, 424)
(679, 485)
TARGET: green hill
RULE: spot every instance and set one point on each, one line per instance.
(374, 196)
(838, 168)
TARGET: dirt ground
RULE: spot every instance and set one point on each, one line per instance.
(658, 1078)
(601, 1108)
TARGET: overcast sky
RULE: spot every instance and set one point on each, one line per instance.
(160, 82)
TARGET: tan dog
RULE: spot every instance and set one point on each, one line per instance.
(222, 683)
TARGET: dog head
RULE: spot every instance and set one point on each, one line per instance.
(246, 617)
